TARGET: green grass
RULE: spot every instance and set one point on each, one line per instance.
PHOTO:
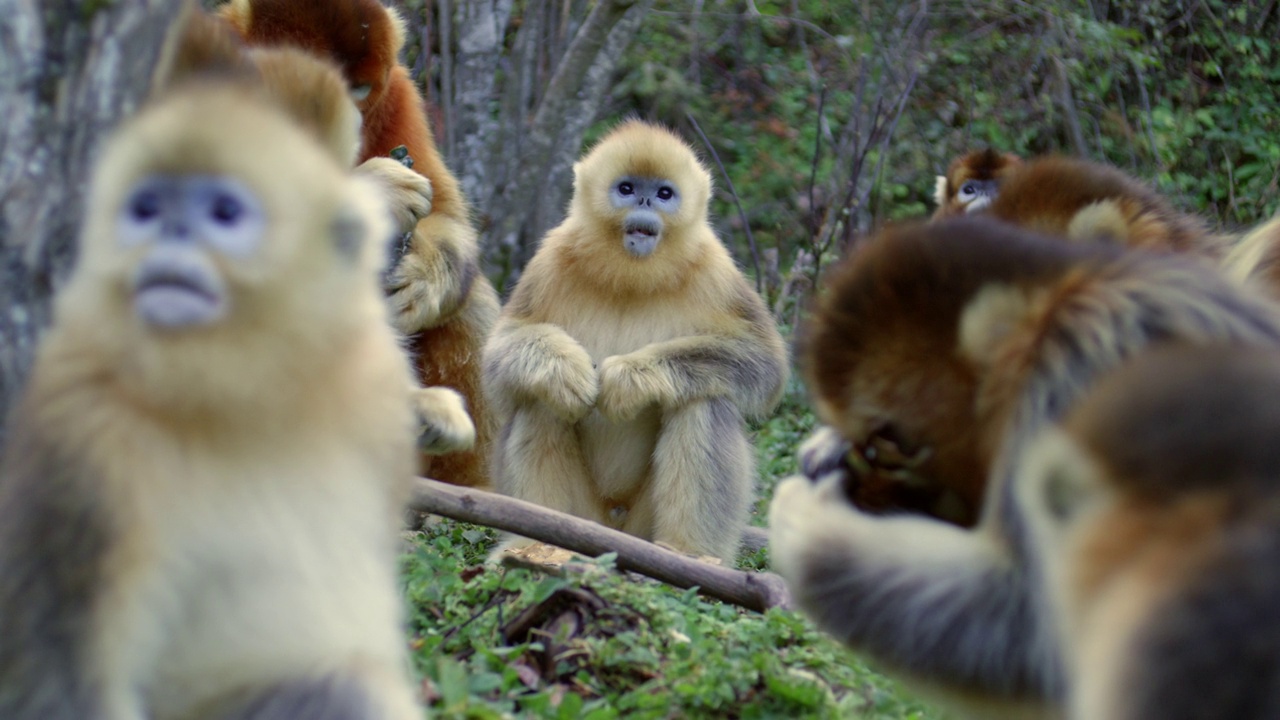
(626, 646)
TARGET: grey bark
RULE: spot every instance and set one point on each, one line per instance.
(69, 70)
(480, 26)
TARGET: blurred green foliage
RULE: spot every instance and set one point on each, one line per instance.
(1182, 93)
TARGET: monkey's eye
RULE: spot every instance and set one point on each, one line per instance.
(226, 210)
(666, 193)
(145, 205)
(968, 190)
(626, 188)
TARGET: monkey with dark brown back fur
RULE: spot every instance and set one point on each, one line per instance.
(1085, 201)
(1155, 508)
(956, 343)
(440, 299)
(972, 182)
(199, 498)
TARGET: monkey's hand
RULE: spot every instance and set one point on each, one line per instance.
(825, 451)
(540, 362)
(408, 194)
(630, 383)
(434, 276)
(443, 423)
(802, 507)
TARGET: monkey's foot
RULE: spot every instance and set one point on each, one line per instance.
(443, 423)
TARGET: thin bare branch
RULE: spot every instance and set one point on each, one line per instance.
(746, 223)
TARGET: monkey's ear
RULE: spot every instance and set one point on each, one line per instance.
(993, 314)
(940, 190)
(398, 31)
(1103, 221)
(199, 45)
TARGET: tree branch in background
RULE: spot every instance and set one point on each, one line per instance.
(746, 223)
(754, 591)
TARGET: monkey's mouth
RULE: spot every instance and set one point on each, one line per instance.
(169, 299)
(640, 236)
(977, 204)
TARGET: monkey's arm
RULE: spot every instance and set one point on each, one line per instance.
(942, 604)
(435, 277)
(749, 367)
(538, 362)
(53, 539)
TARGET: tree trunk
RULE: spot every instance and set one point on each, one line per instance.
(69, 70)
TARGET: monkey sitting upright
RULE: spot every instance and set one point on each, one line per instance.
(200, 494)
(630, 352)
(972, 182)
(1155, 510)
(954, 344)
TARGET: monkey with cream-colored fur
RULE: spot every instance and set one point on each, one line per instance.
(630, 353)
(200, 495)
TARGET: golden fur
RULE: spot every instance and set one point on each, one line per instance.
(960, 341)
(621, 381)
(987, 167)
(200, 522)
(440, 299)
(312, 91)
(1155, 509)
(1255, 258)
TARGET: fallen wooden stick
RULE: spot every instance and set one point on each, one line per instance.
(754, 591)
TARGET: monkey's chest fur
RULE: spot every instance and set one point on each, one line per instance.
(619, 455)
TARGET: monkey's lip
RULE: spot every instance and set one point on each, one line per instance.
(174, 301)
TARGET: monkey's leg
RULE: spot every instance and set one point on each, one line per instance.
(541, 461)
(945, 605)
(703, 478)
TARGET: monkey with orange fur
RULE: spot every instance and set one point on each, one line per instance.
(1155, 511)
(441, 301)
(954, 344)
(630, 353)
(199, 497)
(972, 182)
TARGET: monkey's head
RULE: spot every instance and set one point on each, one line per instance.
(309, 87)
(915, 346)
(972, 182)
(641, 187)
(1156, 508)
(362, 36)
(218, 234)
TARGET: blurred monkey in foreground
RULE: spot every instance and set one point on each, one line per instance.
(440, 299)
(631, 351)
(946, 348)
(972, 182)
(1156, 511)
(312, 91)
(199, 497)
